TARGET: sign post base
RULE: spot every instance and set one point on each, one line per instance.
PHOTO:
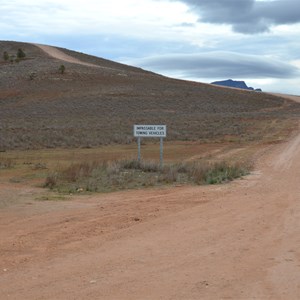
(161, 156)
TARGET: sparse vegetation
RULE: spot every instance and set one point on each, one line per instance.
(5, 56)
(6, 163)
(62, 69)
(12, 58)
(51, 180)
(21, 54)
(88, 107)
(126, 174)
(32, 75)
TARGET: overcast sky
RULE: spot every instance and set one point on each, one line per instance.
(202, 40)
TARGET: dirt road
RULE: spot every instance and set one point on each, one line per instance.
(56, 53)
(234, 241)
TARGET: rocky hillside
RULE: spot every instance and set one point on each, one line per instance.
(98, 103)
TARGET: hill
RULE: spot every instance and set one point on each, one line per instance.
(97, 101)
(235, 84)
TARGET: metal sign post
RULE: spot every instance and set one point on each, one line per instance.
(139, 149)
(150, 131)
(161, 157)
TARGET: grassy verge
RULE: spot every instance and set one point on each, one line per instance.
(130, 174)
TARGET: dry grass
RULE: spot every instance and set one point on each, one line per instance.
(34, 166)
(6, 163)
(88, 107)
(128, 174)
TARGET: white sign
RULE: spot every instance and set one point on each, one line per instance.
(150, 130)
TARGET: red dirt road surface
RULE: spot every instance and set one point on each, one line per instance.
(234, 241)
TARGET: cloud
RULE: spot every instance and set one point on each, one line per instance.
(218, 65)
(157, 30)
(131, 18)
(247, 16)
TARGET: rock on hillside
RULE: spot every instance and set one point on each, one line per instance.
(235, 84)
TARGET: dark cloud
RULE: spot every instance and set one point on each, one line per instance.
(247, 16)
(219, 65)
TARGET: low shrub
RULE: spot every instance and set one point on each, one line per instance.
(21, 54)
(125, 174)
(169, 174)
(6, 163)
(77, 171)
(62, 69)
(221, 172)
(51, 181)
(5, 56)
(144, 165)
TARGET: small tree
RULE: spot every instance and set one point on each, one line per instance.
(62, 69)
(5, 56)
(12, 58)
(21, 54)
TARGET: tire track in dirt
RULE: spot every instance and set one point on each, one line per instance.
(285, 159)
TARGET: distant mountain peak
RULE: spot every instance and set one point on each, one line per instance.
(235, 84)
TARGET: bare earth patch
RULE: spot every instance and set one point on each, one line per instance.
(56, 53)
(235, 241)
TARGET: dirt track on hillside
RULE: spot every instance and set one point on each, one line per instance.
(235, 241)
(56, 53)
